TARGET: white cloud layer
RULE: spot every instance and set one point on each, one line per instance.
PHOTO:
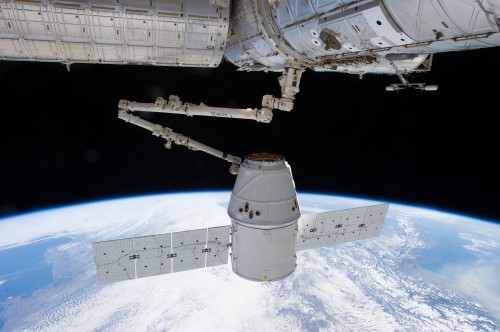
(372, 285)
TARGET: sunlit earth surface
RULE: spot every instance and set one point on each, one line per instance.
(428, 271)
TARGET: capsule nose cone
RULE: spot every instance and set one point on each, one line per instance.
(264, 192)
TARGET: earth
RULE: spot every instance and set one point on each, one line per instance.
(427, 271)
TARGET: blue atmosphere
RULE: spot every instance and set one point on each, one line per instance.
(25, 270)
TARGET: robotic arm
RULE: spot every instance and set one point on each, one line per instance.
(170, 136)
(289, 83)
(175, 106)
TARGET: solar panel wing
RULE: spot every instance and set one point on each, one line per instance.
(217, 245)
(334, 227)
(153, 255)
(188, 250)
(114, 260)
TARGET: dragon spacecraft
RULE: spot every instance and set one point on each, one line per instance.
(397, 37)
(266, 231)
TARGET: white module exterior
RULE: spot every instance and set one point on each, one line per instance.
(264, 211)
(350, 36)
(155, 32)
(270, 35)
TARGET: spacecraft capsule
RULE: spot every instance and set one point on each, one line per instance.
(264, 211)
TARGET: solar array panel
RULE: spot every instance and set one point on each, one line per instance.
(334, 227)
(147, 256)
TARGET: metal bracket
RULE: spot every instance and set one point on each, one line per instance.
(289, 82)
(406, 84)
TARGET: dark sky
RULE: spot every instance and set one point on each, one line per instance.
(63, 143)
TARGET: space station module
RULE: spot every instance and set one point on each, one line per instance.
(348, 36)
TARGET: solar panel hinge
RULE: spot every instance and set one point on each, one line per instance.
(133, 257)
(171, 255)
(206, 250)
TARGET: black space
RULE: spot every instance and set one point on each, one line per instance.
(62, 142)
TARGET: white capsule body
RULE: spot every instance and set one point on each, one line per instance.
(264, 212)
